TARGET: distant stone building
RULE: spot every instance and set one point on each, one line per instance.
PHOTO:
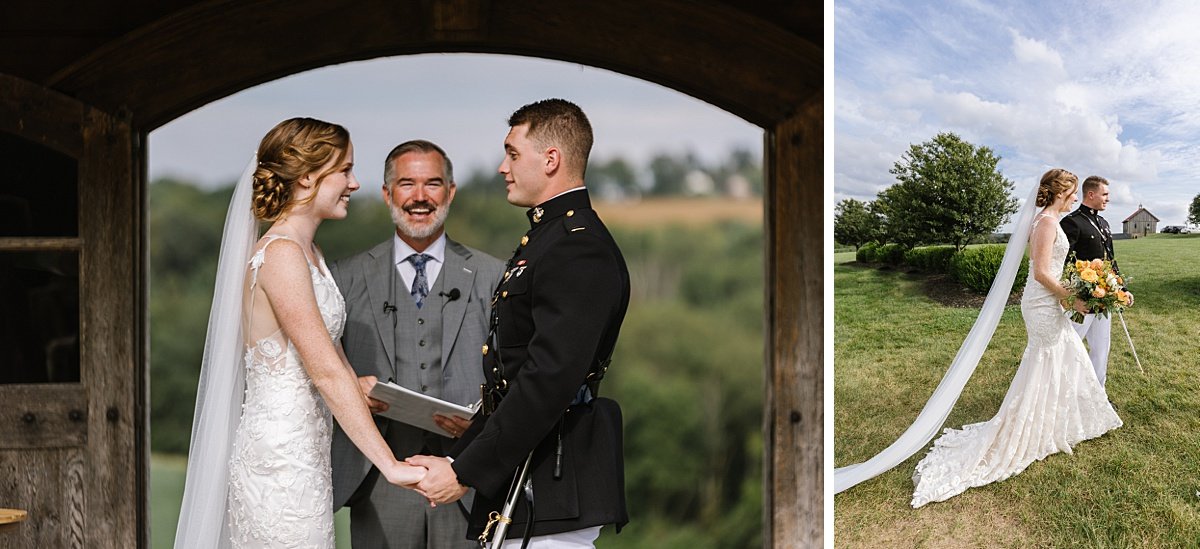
(1140, 223)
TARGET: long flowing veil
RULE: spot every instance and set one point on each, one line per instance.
(219, 395)
(933, 415)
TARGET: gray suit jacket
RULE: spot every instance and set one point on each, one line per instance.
(365, 281)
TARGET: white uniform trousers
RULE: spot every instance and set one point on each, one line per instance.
(1096, 331)
(575, 539)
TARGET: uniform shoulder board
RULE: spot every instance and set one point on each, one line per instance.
(573, 222)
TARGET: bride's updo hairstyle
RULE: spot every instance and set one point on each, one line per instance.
(292, 149)
(1054, 183)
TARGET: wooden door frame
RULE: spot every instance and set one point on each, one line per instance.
(708, 50)
(109, 426)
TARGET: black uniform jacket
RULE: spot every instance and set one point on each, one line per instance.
(558, 310)
(1088, 235)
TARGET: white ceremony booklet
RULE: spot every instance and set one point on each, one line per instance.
(408, 406)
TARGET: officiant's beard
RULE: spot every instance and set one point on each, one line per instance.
(423, 230)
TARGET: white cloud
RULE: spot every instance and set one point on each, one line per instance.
(1110, 92)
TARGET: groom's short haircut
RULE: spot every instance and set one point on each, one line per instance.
(558, 123)
(1092, 184)
(417, 146)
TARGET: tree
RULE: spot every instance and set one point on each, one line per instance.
(948, 191)
(856, 223)
(1194, 211)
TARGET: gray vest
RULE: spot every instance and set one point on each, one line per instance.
(418, 334)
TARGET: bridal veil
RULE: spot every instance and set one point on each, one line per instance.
(202, 522)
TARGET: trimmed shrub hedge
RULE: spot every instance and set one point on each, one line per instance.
(976, 267)
(892, 254)
(931, 259)
(866, 253)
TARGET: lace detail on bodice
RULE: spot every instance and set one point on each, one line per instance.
(1043, 314)
(281, 489)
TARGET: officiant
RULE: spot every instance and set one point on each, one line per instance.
(417, 310)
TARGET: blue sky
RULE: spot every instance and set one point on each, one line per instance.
(460, 101)
(1099, 88)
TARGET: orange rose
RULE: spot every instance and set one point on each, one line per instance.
(1097, 264)
(1122, 296)
(1098, 292)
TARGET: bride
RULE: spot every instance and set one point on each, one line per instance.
(273, 371)
(1054, 401)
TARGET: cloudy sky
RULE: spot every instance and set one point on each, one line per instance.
(460, 101)
(1104, 88)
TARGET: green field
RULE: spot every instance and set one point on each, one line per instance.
(1138, 486)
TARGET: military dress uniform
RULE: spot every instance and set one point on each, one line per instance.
(557, 312)
(1090, 238)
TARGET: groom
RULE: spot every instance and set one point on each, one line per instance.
(1090, 238)
(417, 312)
(554, 325)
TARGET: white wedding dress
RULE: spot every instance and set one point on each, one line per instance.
(280, 483)
(1054, 402)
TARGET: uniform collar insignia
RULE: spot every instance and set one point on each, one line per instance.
(576, 199)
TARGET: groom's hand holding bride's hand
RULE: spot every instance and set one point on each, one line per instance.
(440, 484)
(405, 475)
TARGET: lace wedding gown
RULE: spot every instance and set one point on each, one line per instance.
(281, 488)
(1054, 402)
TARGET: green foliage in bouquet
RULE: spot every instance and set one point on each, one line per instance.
(1099, 285)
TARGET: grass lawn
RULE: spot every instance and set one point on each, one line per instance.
(1138, 486)
(166, 491)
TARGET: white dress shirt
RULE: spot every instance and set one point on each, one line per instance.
(437, 251)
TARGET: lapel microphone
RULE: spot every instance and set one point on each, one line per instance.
(452, 295)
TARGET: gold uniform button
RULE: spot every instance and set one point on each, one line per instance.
(570, 213)
(524, 240)
(504, 294)
(485, 349)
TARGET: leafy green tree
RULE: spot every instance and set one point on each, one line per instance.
(948, 191)
(855, 223)
(1194, 211)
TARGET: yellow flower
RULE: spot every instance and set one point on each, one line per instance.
(1098, 292)
(1123, 296)
(1079, 265)
(1089, 275)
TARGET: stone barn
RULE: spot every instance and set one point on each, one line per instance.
(83, 82)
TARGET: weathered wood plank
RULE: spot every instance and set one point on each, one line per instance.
(109, 327)
(15, 244)
(43, 416)
(795, 413)
(713, 51)
(56, 122)
(48, 484)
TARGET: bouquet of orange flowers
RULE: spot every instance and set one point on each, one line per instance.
(1097, 284)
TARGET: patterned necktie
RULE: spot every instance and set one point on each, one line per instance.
(420, 286)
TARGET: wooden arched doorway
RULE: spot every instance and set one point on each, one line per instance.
(95, 94)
